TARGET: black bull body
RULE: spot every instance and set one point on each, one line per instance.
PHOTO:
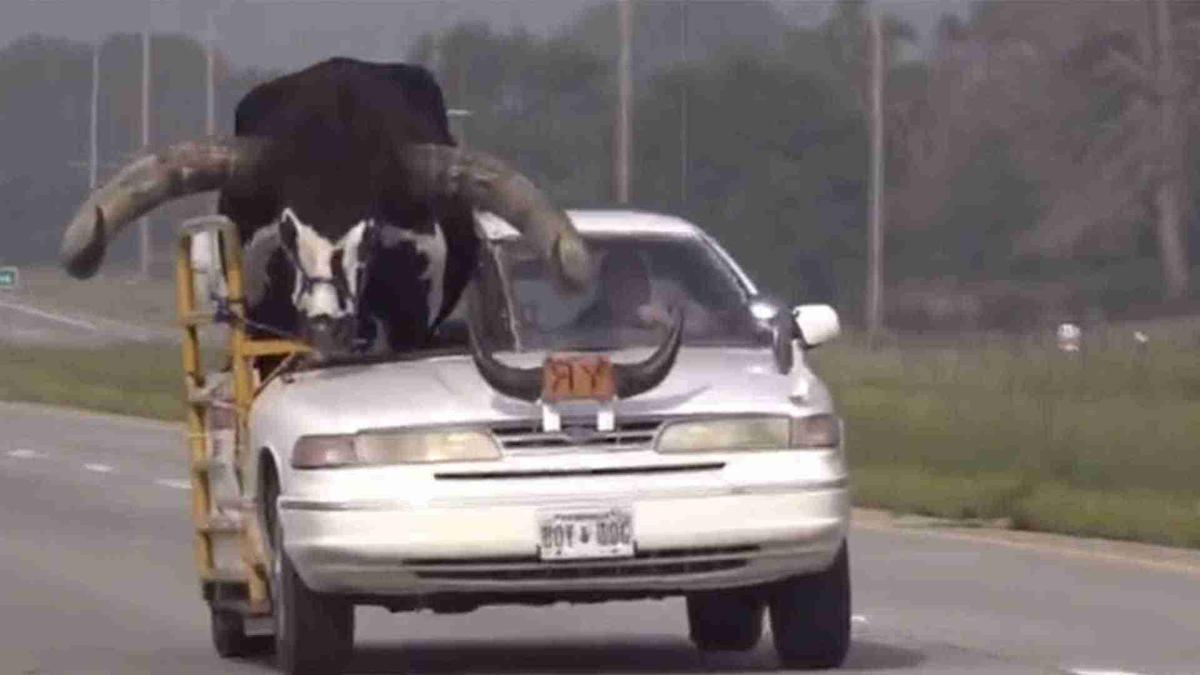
(355, 211)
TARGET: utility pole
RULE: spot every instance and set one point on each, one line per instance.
(624, 148)
(93, 161)
(875, 235)
(94, 149)
(210, 85)
(683, 105)
(144, 225)
(459, 114)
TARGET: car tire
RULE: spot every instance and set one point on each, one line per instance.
(314, 632)
(810, 616)
(725, 621)
(229, 634)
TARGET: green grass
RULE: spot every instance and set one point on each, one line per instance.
(1103, 443)
(136, 380)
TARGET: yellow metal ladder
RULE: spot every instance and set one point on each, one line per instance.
(243, 586)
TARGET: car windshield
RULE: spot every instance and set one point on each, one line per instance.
(640, 284)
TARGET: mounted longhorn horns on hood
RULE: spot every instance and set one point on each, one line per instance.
(430, 170)
(631, 378)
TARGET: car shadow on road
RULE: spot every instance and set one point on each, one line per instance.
(625, 656)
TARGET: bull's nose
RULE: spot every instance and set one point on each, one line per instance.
(329, 335)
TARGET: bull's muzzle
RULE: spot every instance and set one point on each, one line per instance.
(328, 335)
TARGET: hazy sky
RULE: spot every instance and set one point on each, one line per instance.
(286, 33)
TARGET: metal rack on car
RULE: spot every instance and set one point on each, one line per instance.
(222, 400)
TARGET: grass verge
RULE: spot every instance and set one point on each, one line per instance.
(142, 380)
(1132, 515)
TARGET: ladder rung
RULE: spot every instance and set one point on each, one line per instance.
(211, 395)
(220, 526)
(197, 396)
(226, 575)
(202, 466)
(197, 318)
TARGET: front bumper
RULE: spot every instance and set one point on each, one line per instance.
(708, 535)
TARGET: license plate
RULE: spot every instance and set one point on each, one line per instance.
(582, 535)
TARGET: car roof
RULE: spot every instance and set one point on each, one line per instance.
(602, 222)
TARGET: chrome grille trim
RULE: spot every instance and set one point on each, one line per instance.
(570, 572)
(577, 473)
(646, 564)
(577, 435)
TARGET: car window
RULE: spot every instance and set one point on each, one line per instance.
(640, 284)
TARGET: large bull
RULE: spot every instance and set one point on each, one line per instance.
(354, 206)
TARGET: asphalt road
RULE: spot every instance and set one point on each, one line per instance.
(23, 322)
(96, 577)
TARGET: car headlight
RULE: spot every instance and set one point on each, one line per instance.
(751, 433)
(394, 447)
(817, 431)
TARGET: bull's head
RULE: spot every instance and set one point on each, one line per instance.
(328, 279)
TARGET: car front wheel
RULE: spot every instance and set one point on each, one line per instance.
(314, 632)
(724, 620)
(810, 616)
(230, 639)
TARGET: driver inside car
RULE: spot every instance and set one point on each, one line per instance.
(625, 298)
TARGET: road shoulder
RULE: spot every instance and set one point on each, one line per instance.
(1105, 551)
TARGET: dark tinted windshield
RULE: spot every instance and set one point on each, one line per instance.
(640, 284)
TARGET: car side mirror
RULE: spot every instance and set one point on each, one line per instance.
(816, 324)
(783, 333)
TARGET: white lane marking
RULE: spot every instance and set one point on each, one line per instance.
(1090, 671)
(174, 483)
(70, 321)
(98, 468)
(859, 619)
(25, 453)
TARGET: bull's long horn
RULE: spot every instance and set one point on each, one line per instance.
(180, 170)
(520, 383)
(631, 378)
(635, 378)
(491, 184)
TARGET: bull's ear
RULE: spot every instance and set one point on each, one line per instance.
(370, 239)
(360, 242)
(289, 231)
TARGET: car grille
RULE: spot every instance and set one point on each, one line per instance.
(579, 473)
(576, 435)
(649, 564)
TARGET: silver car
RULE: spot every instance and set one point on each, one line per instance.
(412, 484)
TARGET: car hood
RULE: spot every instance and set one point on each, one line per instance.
(449, 390)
